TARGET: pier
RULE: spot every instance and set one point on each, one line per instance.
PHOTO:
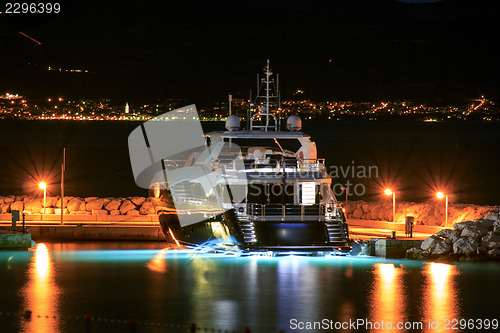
(47, 227)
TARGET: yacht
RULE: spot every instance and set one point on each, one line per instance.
(255, 187)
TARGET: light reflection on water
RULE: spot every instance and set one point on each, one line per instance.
(41, 294)
(441, 303)
(229, 292)
(386, 303)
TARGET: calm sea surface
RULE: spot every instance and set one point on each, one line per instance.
(113, 283)
(416, 159)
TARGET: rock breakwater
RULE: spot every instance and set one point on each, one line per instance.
(130, 206)
(477, 240)
(431, 213)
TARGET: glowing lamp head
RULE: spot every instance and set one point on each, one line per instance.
(42, 185)
(440, 195)
(388, 192)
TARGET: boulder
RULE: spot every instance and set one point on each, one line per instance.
(133, 212)
(138, 200)
(485, 223)
(491, 242)
(494, 254)
(417, 253)
(442, 248)
(51, 201)
(493, 217)
(382, 214)
(366, 208)
(95, 204)
(76, 205)
(5, 208)
(481, 250)
(8, 199)
(453, 235)
(114, 204)
(147, 208)
(460, 225)
(474, 232)
(430, 243)
(465, 245)
(357, 214)
(17, 205)
(100, 212)
(126, 206)
(33, 206)
(58, 203)
(496, 228)
(49, 210)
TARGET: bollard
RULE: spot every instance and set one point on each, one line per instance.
(88, 320)
(27, 314)
(409, 221)
(15, 217)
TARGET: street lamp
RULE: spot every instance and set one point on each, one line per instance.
(389, 192)
(346, 193)
(43, 186)
(441, 195)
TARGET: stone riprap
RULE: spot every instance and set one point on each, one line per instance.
(431, 213)
(477, 240)
(131, 206)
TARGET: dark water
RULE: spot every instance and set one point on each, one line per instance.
(161, 289)
(416, 159)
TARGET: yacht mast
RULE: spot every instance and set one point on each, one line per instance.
(267, 84)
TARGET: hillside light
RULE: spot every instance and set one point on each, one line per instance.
(441, 195)
(389, 192)
(43, 186)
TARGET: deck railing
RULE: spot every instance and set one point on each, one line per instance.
(286, 212)
(277, 165)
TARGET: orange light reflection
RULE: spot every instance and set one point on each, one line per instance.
(41, 294)
(158, 263)
(440, 300)
(387, 297)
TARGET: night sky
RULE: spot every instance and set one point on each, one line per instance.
(441, 51)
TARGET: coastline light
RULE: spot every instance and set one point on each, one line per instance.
(441, 195)
(43, 186)
(390, 192)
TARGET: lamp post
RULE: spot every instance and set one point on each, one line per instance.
(346, 193)
(441, 195)
(389, 192)
(43, 186)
